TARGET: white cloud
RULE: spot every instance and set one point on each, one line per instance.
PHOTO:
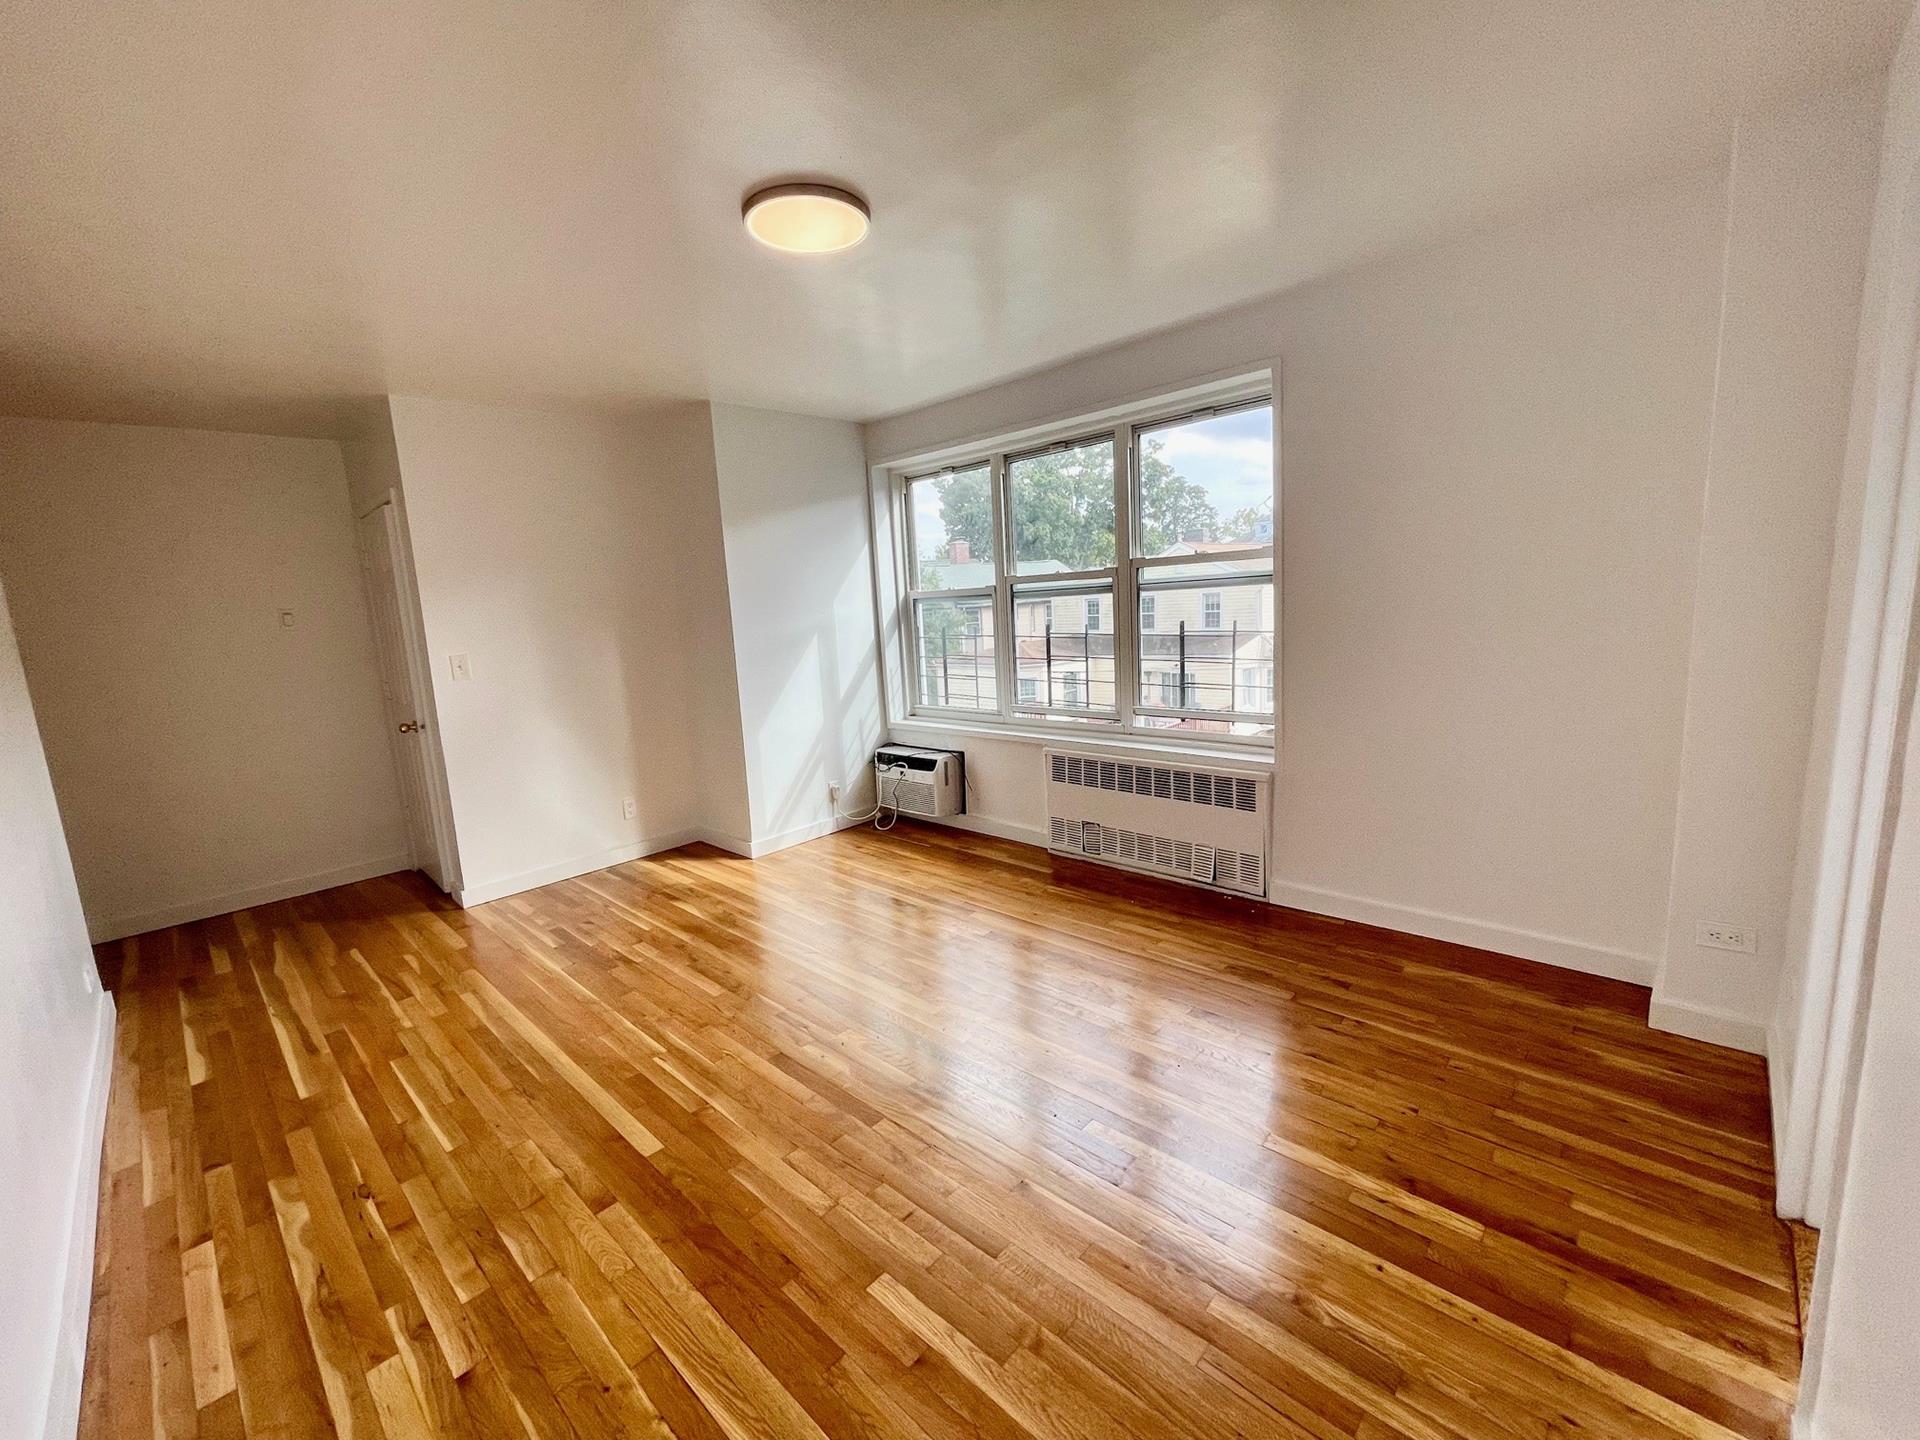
(1236, 469)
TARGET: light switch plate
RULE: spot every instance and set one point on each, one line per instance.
(461, 666)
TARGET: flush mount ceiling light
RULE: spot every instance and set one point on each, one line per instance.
(806, 219)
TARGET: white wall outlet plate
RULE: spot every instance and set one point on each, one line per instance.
(1719, 935)
(628, 808)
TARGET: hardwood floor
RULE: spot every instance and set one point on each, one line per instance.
(913, 1135)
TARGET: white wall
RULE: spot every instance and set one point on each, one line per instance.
(712, 711)
(1861, 1382)
(574, 560)
(800, 576)
(1494, 460)
(1490, 461)
(1861, 680)
(56, 1047)
(205, 757)
(371, 458)
(1801, 198)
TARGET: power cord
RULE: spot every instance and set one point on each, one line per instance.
(880, 805)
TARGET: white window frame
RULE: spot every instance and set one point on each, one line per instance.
(912, 595)
(1124, 578)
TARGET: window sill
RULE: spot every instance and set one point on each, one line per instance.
(1252, 756)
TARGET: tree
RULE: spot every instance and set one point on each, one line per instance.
(1172, 507)
(1248, 523)
(1063, 508)
(966, 512)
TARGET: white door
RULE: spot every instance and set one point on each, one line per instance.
(416, 752)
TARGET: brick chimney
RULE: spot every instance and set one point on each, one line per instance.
(959, 552)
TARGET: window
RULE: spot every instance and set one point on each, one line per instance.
(1063, 654)
(950, 532)
(1060, 501)
(1120, 576)
(1203, 562)
(951, 515)
(1256, 688)
(956, 658)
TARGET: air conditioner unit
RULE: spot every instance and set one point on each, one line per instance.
(1204, 826)
(920, 782)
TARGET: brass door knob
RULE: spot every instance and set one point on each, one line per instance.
(410, 727)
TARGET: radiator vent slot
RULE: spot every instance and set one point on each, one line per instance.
(916, 797)
(1202, 826)
(1158, 782)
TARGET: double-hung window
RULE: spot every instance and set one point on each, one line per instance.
(1060, 514)
(1202, 569)
(1121, 575)
(951, 524)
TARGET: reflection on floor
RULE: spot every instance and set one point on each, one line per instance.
(913, 1135)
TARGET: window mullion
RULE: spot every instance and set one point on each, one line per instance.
(1126, 607)
(1004, 668)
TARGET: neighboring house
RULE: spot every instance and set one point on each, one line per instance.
(1207, 643)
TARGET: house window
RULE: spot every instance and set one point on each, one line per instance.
(1122, 575)
(1256, 688)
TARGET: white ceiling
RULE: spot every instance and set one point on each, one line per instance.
(251, 213)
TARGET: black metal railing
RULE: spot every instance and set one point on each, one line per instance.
(1194, 668)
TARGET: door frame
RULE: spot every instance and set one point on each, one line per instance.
(442, 867)
(1850, 782)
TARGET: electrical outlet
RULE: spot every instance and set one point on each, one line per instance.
(628, 808)
(1718, 935)
(833, 793)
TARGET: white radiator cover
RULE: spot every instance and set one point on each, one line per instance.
(1203, 825)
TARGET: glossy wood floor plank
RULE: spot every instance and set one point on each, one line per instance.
(914, 1135)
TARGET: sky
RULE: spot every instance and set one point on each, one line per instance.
(1231, 455)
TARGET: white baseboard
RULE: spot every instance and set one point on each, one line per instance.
(1461, 930)
(115, 927)
(987, 825)
(471, 895)
(76, 1306)
(725, 840)
(1779, 1097)
(1702, 1022)
(1457, 929)
(799, 835)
